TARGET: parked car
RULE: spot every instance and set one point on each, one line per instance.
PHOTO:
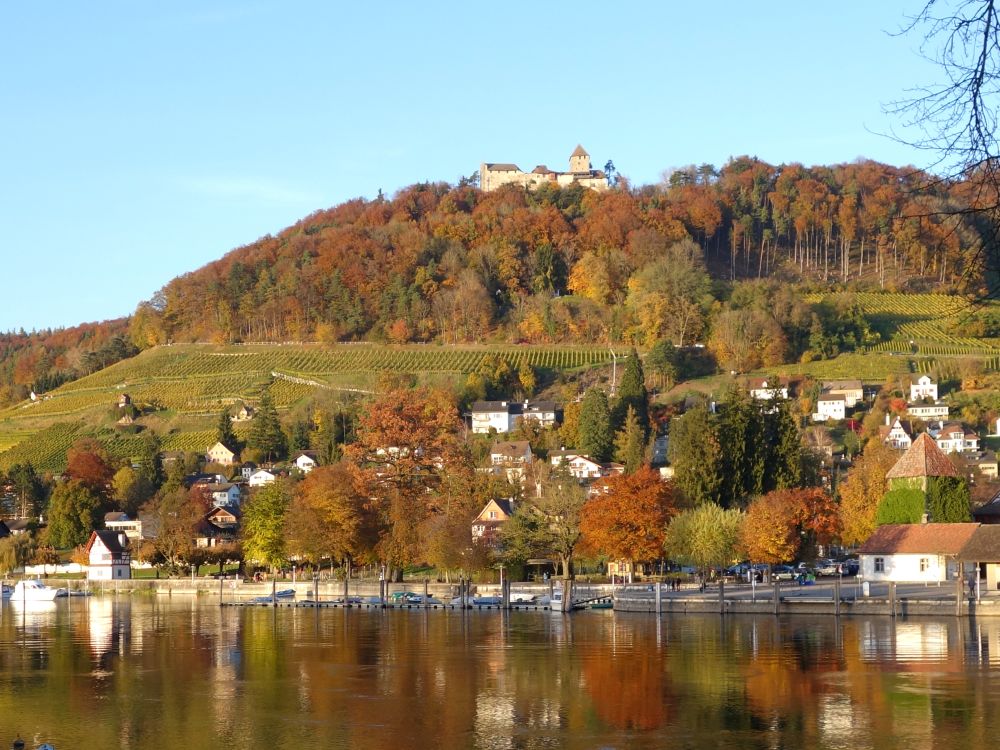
(827, 568)
(783, 573)
(850, 567)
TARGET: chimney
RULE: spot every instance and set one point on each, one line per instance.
(123, 540)
(887, 419)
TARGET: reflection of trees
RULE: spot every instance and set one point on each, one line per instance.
(626, 679)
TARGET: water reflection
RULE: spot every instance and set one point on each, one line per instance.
(148, 673)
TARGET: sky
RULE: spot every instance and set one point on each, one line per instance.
(141, 140)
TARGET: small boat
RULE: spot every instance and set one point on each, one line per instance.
(32, 590)
(6, 591)
(283, 594)
(487, 601)
(602, 605)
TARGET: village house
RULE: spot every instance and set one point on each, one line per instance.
(985, 462)
(915, 553)
(767, 389)
(511, 458)
(220, 454)
(830, 407)
(219, 526)
(579, 465)
(247, 468)
(261, 477)
(852, 391)
(224, 494)
(927, 410)
(243, 414)
(124, 400)
(486, 526)
(504, 416)
(954, 437)
(107, 556)
(896, 433)
(493, 176)
(305, 461)
(925, 387)
(121, 523)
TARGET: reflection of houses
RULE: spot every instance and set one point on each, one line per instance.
(220, 454)
(108, 557)
(219, 526)
(954, 437)
(896, 433)
(851, 390)
(511, 459)
(914, 553)
(504, 416)
(120, 523)
(486, 526)
(924, 388)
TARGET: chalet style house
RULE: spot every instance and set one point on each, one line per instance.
(511, 458)
(924, 388)
(896, 433)
(108, 556)
(486, 526)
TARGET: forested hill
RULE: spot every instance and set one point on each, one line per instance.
(630, 266)
(454, 264)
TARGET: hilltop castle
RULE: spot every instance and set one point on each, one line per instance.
(492, 176)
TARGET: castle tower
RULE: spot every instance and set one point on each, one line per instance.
(579, 161)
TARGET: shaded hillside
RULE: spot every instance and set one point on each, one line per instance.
(44, 360)
(438, 263)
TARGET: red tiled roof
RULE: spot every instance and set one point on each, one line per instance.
(923, 459)
(919, 538)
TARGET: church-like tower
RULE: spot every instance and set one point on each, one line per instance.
(579, 161)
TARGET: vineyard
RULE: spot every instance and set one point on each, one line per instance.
(197, 381)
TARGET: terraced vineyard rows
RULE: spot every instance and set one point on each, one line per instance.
(46, 451)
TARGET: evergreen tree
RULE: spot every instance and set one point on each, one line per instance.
(630, 444)
(224, 432)
(150, 463)
(595, 426)
(632, 394)
(741, 430)
(948, 499)
(785, 464)
(266, 436)
(696, 455)
(28, 487)
(298, 436)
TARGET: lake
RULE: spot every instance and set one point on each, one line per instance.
(183, 674)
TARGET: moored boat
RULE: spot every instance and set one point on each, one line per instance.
(31, 590)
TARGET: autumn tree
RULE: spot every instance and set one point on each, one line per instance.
(626, 517)
(705, 536)
(87, 462)
(780, 522)
(407, 441)
(862, 491)
(263, 525)
(175, 516)
(74, 511)
(547, 523)
(327, 518)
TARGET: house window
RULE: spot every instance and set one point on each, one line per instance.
(493, 514)
(880, 565)
(925, 564)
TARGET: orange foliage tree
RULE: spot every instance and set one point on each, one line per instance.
(87, 461)
(627, 516)
(779, 522)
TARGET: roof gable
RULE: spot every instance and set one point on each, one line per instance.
(110, 539)
(923, 459)
(919, 538)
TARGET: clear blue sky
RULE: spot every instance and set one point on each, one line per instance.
(140, 140)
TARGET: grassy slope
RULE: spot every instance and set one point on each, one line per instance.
(190, 384)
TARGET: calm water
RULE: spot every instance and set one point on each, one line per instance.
(184, 675)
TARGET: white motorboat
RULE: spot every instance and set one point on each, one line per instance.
(31, 590)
